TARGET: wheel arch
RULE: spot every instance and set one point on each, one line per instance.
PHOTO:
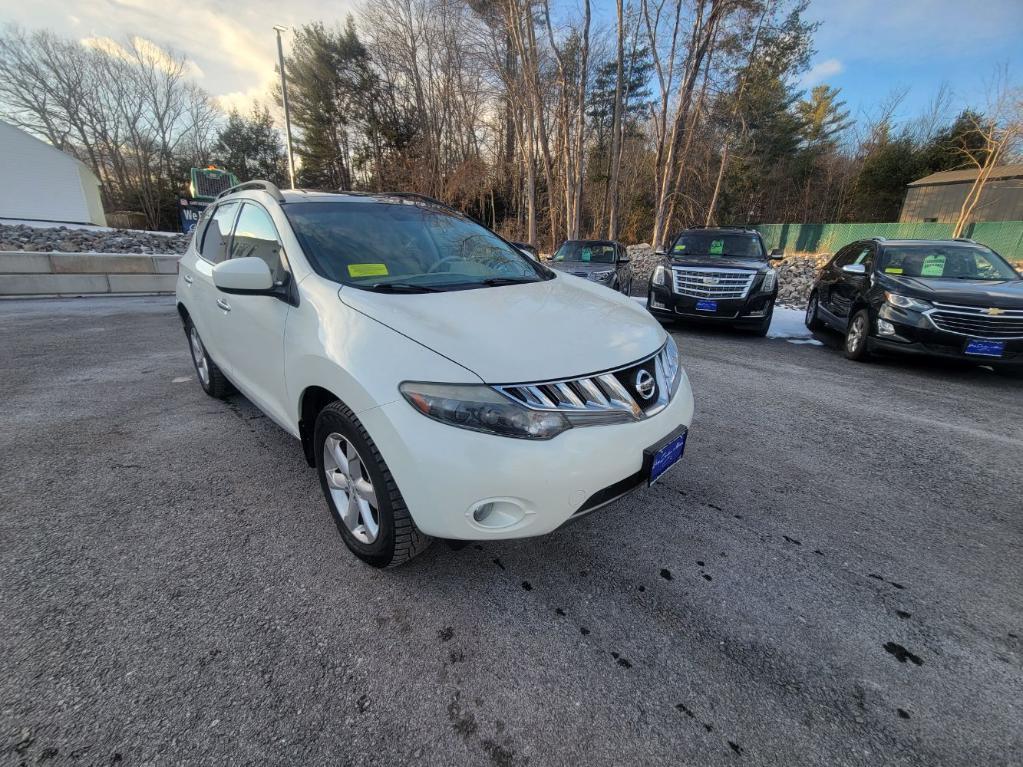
(312, 400)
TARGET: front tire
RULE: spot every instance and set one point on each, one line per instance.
(856, 337)
(211, 378)
(362, 496)
(761, 329)
(812, 320)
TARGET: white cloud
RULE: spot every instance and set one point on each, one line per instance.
(820, 72)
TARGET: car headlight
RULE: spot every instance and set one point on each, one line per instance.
(601, 276)
(905, 302)
(480, 408)
(659, 275)
(770, 280)
(672, 366)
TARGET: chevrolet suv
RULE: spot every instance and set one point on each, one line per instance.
(722, 274)
(442, 383)
(944, 298)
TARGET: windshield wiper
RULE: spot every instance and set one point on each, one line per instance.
(399, 287)
(495, 281)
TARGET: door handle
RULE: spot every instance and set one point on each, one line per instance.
(223, 304)
(188, 279)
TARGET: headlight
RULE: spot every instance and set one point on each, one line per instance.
(480, 408)
(770, 280)
(672, 368)
(905, 302)
(659, 274)
(601, 276)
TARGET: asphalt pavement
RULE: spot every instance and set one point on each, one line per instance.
(833, 575)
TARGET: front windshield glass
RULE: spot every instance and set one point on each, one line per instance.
(735, 245)
(587, 252)
(947, 261)
(378, 245)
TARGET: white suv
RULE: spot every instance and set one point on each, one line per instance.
(442, 384)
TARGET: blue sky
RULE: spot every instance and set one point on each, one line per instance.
(868, 48)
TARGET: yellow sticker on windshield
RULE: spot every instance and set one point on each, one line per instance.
(893, 270)
(933, 266)
(679, 248)
(367, 270)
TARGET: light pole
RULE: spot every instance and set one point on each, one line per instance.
(287, 111)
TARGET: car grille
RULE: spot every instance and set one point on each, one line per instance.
(712, 283)
(976, 321)
(611, 397)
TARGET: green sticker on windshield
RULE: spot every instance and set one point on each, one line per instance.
(367, 270)
(587, 255)
(680, 247)
(717, 247)
(933, 266)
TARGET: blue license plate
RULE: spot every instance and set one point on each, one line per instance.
(981, 348)
(665, 455)
(706, 306)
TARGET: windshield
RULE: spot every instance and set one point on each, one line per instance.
(736, 245)
(380, 245)
(948, 261)
(588, 252)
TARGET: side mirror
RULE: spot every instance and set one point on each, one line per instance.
(243, 275)
(624, 260)
(858, 269)
(777, 253)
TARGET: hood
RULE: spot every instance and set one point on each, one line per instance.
(724, 262)
(539, 331)
(1004, 294)
(580, 268)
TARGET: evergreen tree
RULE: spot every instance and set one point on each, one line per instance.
(251, 147)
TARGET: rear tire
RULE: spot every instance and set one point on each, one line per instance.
(362, 496)
(856, 337)
(211, 378)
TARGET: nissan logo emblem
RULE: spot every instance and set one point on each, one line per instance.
(645, 384)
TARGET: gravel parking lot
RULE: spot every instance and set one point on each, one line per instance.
(833, 575)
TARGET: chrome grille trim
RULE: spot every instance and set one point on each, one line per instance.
(974, 321)
(721, 282)
(596, 398)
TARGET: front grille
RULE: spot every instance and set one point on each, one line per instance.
(700, 282)
(611, 397)
(977, 322)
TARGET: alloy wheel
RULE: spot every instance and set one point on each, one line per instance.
(199, 357)
(351, 488)
(811, 311)
(857, 334)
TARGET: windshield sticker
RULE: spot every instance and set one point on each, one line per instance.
(680, 248)
(717, 247)
(367, 270)
(933, 266)
(587, 254)
(893, 270)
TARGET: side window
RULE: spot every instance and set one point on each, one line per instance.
(865, 256)
(217, 233)
(256, 235)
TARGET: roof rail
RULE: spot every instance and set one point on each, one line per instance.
(417, 197)
(723, 226)
(263, 186)
(965, 239)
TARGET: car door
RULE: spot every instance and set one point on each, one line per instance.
(255, 323)
(847, 286)
(207, 316)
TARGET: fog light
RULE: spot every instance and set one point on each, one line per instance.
(655, 304)
(481, 512)
(885, 328)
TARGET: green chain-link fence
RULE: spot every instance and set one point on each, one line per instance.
(1005, 237)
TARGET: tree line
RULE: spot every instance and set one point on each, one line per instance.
(544, 127)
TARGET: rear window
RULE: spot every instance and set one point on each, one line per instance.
(722, 244)
(947, 261)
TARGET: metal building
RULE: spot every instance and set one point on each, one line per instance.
(41, 183)
(939, 197)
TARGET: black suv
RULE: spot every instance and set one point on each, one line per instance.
(603, 261)
(721, 274)
(947, 298)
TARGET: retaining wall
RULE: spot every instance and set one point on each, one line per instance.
(24, 273)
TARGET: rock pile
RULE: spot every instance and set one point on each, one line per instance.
(64, 239)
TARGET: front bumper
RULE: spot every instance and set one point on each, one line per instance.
(666, 303)
(915, 334)
(446, 473)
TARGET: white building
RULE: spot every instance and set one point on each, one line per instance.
(40, 183)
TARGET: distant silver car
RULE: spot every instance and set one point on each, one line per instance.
(603, 261)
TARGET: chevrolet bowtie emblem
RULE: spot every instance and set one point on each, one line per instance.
(994, 312)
